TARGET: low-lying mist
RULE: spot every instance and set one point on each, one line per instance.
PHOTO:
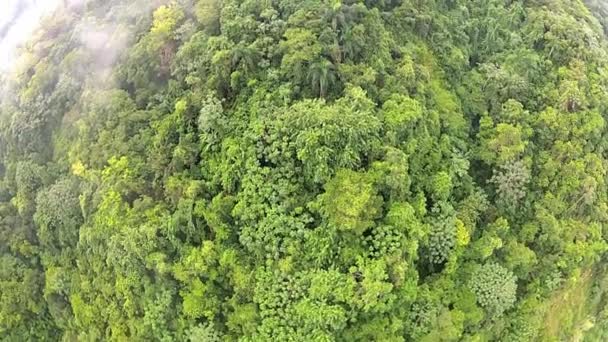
(18, 19)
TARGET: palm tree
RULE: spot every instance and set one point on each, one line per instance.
(246, 56)
(338, 17)
(322, 75)
(517, 13)
(349, 47)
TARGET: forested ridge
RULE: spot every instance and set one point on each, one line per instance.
(307, 170)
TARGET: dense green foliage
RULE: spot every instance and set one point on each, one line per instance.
(288, 170)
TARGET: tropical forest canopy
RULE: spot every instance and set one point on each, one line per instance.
(307, 170)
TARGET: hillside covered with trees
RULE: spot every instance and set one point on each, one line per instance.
(307, 170)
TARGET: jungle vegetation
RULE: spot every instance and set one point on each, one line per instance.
(307, 170)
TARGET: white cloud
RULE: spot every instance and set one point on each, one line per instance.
(18, 19)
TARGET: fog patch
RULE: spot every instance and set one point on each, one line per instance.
(18, 19)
